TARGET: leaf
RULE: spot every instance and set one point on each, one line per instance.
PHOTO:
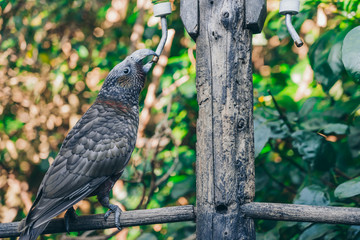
(180, 230)
(83, 52)
(286, 102)
(348, 189)
(354, 141)
(182, 188)
(325, 58)
(307, 143)
(312, 195)
(316, 231)
(336, 128)
(12, 125)
(278, 129)
(326, 157)
(353, 232)
(313, 148)
(332, 235)
(147, 236)
(307, 107)
(261, 135)
(351, 53)
(261, 180)
(271, 235)
(334, 58)
(314, 124)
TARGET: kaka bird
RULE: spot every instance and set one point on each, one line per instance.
(95, 152)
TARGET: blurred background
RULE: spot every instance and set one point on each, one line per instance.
(54, 56)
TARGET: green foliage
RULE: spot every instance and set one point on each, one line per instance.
(350, 50)
(307, 133)
(55, 55)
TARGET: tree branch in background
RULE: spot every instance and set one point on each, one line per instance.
(281, 114)
(160, 101)
(290, 189)
(138, 29)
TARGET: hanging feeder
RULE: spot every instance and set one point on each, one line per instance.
(289, 8)
(161, 9)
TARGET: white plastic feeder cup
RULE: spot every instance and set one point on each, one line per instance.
(162, 9)
(289, 8)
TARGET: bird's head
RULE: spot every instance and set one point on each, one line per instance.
(126, 80)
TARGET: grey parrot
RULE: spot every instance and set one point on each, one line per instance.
(96, 151)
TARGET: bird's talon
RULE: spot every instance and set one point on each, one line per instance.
(114, 209)
(70, 215)
(107, 214)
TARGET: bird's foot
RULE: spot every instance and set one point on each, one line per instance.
(70, 215)
(114, 209)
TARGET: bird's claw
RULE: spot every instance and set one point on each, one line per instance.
(70, 215)
(114, 209)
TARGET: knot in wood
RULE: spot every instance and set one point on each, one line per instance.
(221, 208)
(241, 124)
(225, 19)
(226, 15)
(215, 35)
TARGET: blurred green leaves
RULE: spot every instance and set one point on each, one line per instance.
(307, 133)
(348, 189)
(312, 195)
(351, 53)
(54, 56)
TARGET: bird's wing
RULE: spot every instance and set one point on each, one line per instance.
(98, 146)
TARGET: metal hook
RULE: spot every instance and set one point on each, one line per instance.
(160, 10)
(161, 44)
(294, 35)
(289, 8)
(164, 32)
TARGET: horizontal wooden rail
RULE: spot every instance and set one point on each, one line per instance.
(256, 210)
(127, 219)
(302, 213)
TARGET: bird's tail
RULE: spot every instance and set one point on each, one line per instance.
(30, 233)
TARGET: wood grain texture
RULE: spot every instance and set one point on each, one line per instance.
(225, 156)
(302, 213)
(127, 219)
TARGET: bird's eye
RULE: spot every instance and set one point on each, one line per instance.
(126, 70)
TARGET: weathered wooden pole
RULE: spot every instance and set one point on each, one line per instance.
(225, 157)
(225, 143)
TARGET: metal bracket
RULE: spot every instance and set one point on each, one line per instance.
(189, 13)
(255, 15)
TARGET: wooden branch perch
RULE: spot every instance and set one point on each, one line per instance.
(127, 219)
(302, 213)
(256, 210)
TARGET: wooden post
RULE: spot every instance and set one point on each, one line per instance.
(225, 155)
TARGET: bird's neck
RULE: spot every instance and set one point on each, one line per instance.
(115, 104)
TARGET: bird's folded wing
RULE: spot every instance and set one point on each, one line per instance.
(93, 151)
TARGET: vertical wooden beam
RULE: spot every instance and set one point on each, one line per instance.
(225, 148)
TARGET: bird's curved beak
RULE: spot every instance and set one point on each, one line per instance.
(141, 54)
